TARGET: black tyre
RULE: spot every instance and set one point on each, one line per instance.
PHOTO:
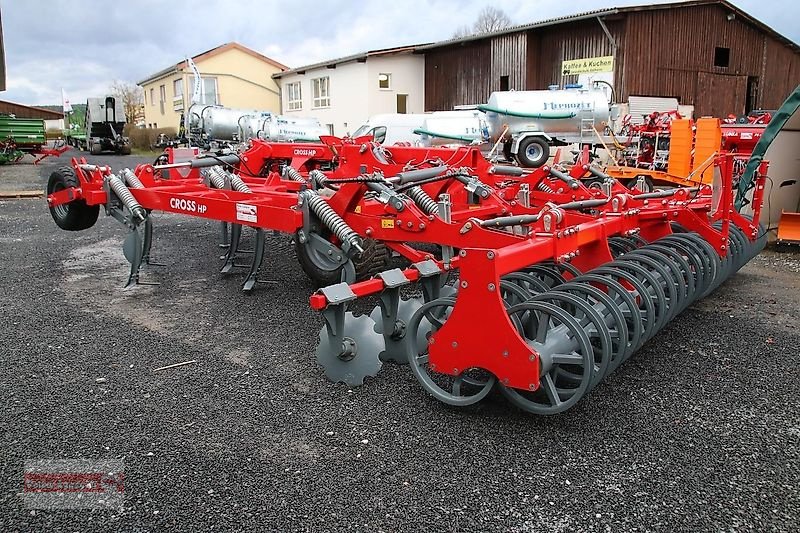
(649, 186)
(76, 215)
(374, 259)
(95, 148)
(533, 152)
(125, 150)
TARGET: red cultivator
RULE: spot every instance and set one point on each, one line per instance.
(534, 283)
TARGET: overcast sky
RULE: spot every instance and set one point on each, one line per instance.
(84, 45)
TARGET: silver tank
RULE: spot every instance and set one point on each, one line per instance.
(219, 123)
(557, 112)
(452, 127)
(283, 128)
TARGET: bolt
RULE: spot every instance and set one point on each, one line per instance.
(532, 358)
(455, 371)
(490, 255)
(491, 287)
(505, 353)
(532, 386)
(431, 340)
(454, 344)
(421, 225)
(369, 231)
(430, 217)
(464, 284)
(330, 252)
(505, 381)
(468, 225)
(410, 224)
(463, 253)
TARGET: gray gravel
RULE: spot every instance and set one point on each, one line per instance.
(698, 432)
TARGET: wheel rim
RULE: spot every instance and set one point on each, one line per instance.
(534, 151)
(554, 330)
(469, 387)
(60, 210)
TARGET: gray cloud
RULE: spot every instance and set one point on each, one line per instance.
(84, 45)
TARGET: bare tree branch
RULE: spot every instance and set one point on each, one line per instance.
(462, 31)
(132, 99)
(491, 19)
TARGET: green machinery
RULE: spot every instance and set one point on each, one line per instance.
(20, 136)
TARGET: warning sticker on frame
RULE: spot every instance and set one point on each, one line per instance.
(247, 212)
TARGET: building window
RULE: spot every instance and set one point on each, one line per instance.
(320, 90)
(722, 57)
(384, 81)
(294, 96)
(177, 87)
(152, 97)
(162, 90)
(504, 83)
(209, 95)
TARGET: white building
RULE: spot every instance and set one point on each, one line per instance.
(343, 93)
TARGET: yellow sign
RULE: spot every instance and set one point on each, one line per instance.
(588, 65)
(387, 223)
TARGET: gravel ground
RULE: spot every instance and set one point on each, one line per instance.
(698, 432)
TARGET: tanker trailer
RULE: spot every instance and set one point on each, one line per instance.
(453, 127)
(530, 122)
(212, 126)
(283, 129)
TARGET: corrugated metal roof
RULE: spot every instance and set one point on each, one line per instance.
(613, 11)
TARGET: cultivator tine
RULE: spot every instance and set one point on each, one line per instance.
(224, 240)
(233, 249)
(148, 244)
(258, 258)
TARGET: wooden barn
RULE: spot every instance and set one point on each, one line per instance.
(706, 53)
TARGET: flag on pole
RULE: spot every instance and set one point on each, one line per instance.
(65, 102)
(198, 82)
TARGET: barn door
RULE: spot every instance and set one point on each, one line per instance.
(720, 95)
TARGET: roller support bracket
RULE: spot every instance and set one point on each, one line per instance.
(430, 278)
(393, 329)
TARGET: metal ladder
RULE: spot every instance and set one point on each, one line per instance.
(587, 125)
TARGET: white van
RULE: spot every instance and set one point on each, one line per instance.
(392, 128)
(427, 129)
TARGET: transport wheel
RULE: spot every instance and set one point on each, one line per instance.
(324, 272)
(533, 152)
(76, 215)
(95, 148)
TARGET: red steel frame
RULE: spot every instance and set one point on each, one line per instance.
(485, 255)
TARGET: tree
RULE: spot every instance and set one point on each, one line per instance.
(132, 99)
(489, 19)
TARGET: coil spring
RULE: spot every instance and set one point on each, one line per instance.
(542, 186)
(214, 176)
(217, 177)
(125, 196)
(423, 200)
(331, 219)
(291, 173)
(318, 179)
(131, 179)
(238, 184)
